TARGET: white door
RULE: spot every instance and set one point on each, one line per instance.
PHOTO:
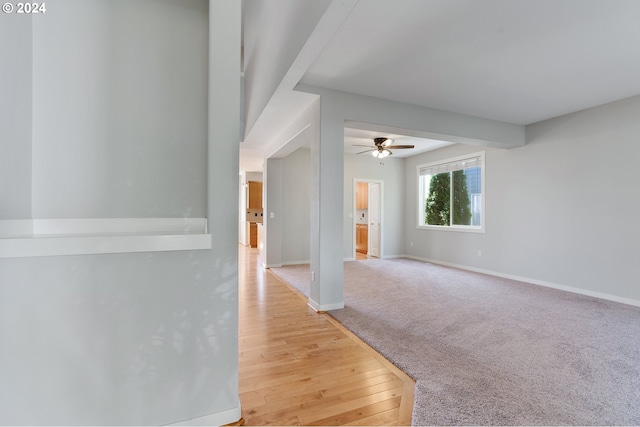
(374, 219)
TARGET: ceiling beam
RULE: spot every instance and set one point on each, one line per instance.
(275, 117)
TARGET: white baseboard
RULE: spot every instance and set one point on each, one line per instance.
(552, 285)
(325, 307)
(217, 419)
(383, 257)
(271, 265)
(282, 264)
(306, 261)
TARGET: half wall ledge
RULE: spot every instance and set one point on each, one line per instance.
(88, 236)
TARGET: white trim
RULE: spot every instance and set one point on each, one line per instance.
(295, 262)
(216, 419)
(462, 228)
(394, 256)
(271, 265)
(552, 285)
(452, 160)
(314, 305)
(89, 245)
(85, 236)
(119, 225)
(326, 307)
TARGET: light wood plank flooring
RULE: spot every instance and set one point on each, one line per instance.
(360, 256)
(298, 367)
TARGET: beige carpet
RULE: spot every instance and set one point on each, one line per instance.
(492, 351)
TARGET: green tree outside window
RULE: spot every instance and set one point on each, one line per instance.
(438, 202)
(437, 210)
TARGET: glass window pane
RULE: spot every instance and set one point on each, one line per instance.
(461, 200)
(450, 193)
(467, 196)
(437, 206)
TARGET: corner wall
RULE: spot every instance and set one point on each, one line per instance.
(560, 210)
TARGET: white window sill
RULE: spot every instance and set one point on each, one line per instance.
(36, 238)
(451, 228)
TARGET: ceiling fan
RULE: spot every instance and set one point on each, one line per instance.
(382, 147)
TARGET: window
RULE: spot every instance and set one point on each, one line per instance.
(451, 194)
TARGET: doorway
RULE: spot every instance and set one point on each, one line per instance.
(367, 219)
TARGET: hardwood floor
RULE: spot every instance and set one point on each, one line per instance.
(298, 367)
(360, 256)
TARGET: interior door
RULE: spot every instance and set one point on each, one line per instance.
(374, 219)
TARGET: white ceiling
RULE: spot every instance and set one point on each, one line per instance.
(517, 61)
(251, 160)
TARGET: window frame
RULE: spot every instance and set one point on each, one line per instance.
(421, 196)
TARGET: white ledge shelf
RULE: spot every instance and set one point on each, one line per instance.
(58, 237)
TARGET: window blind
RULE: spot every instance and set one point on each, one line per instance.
(435, 169)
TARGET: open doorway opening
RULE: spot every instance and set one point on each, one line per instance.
(367, 223)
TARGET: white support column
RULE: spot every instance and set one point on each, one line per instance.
(223, 172)
(327, 187)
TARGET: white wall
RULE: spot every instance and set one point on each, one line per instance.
(254, 176)
(15, 116)
(106, 141)
(130, 339)
(561, 210)
(135, 339)
(363, 167)
(296, 202)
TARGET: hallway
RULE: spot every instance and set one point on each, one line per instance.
(298, 367)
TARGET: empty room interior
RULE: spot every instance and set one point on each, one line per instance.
(447, 187)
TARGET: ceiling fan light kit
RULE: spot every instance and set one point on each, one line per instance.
(381, 153)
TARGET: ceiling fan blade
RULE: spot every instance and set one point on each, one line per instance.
(401, 146)
(366, 151)
(360, 145)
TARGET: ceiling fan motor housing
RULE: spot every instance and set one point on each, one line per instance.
(379, 141)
